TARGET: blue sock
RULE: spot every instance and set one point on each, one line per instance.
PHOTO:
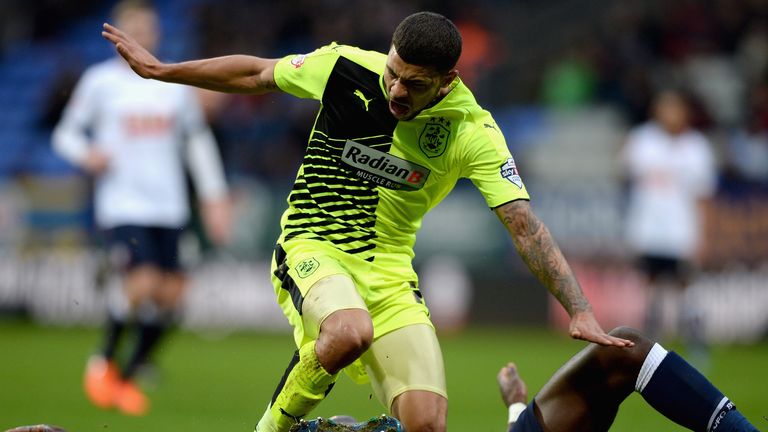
(732, 421)
(678, 391)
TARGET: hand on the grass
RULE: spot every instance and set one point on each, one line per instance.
(140, 60)
(584, 326)
(511, 386)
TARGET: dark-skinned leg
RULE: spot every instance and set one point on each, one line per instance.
(585, 394)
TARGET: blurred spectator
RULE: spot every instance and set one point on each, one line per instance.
(481, 48)
(753, 52)
(570, 81)
(132, 135)
(748, 147)
(671, 172)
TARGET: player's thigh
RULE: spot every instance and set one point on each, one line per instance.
(332, 294)
(311, 283)
(579, 397)
(407, 364)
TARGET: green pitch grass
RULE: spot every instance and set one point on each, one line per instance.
(218, 383)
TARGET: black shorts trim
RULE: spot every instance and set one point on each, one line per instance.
(286, 281)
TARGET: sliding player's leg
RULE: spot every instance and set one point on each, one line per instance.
(585, 393)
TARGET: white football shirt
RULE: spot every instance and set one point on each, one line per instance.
(669, 175)
(146, 127)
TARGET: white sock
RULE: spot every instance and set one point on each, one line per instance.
(652, 361)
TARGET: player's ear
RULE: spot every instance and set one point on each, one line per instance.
(449, 77)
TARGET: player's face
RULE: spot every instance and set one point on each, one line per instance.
(411, 88)
(671, 112)
(142, 25)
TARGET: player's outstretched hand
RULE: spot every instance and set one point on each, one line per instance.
(141, 61)
(511, 386)
(584, 326)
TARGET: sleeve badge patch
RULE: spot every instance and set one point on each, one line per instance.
(508, 170)
(298, 61)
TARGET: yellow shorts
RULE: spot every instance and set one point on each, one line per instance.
(387, 288)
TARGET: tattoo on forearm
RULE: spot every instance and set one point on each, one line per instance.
(542, 255)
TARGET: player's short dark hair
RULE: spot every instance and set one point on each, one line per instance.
(428, 39)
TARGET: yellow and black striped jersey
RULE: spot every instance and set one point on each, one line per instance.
(367, 179)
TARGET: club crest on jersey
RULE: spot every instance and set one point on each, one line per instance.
(307, 267)
(383, 169)
(298, 61)
(508, 170)
(434, 138)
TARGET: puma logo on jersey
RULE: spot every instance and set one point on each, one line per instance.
(360, 94)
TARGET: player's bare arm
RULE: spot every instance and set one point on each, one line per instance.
(543, 257)
(230, 74)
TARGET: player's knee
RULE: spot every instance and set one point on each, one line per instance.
(642, 343)
(424, 424)
(421, 411)
(627, 359)
(356, 338)
(625, 332)
(423, 421)
(350, 332)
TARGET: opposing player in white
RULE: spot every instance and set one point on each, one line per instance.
(132, 135)
(671, 171)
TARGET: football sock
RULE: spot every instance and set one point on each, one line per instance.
(119, 319)
(152, 325)
(304, 384)
(115, 327)
(678, 391)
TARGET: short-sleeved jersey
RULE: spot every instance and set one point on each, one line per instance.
(669, 175)
(367, 179)
(143, 126)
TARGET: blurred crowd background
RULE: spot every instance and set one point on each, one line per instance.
(566, 81)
